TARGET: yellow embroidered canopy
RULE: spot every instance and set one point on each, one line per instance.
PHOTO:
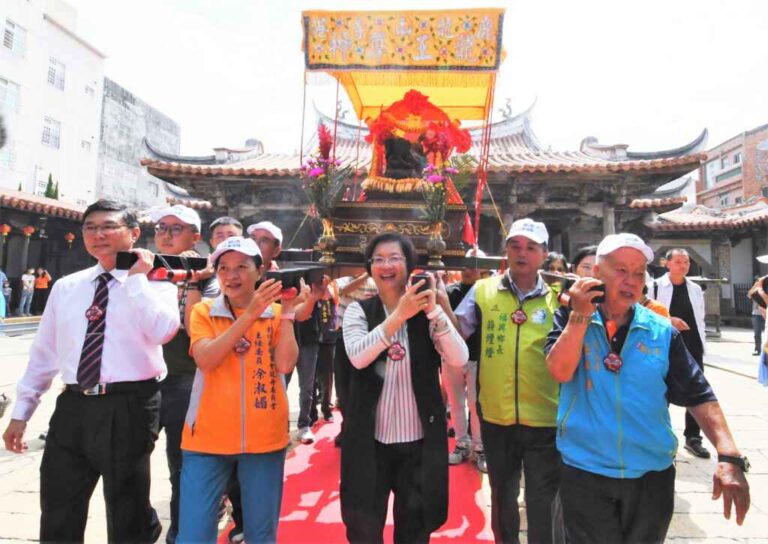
(450, 55)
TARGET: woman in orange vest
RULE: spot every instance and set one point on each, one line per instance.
(42, 288)
(238, 411)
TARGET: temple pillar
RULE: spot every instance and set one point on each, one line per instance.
(609, 219)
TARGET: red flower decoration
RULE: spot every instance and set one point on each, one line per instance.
(612, 362)
(242, 345)
(94, 313)
(325, 141)
(396, 352)
(519, 317)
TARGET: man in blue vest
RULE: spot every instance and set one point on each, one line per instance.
(620, 365)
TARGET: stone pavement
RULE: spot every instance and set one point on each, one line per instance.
(697, 519)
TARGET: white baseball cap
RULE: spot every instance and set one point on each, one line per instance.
(186, 214)
(762, 259)
(475, 253)
(612, 242)
(268, 226)
(246, 246)
(533, 230)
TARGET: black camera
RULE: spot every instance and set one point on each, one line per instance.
(177, 265)
(417, 278)
(291, 277)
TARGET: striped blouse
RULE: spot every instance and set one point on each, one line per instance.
(397, 415)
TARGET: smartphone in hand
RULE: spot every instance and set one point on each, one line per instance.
(416, 278)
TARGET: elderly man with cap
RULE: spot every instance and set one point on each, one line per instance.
(517, 398)
(620, 365)
(461, 382)
(269, 238)
(238, 412)
(177, 230)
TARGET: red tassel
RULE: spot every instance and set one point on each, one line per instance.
(468, 237)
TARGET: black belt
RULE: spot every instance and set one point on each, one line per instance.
(116, 387)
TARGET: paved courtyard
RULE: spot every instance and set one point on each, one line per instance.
(731, 369)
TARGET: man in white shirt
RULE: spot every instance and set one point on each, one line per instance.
(103, 330)
(685, 301)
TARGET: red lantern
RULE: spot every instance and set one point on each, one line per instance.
(69, 237)
(4, 230)
(28, 231)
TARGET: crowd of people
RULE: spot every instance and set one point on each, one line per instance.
(565, 383)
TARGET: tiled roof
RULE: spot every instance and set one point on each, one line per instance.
(191, 203)
(655, 203)
(40, 204)
(514, 148)
(701, 218)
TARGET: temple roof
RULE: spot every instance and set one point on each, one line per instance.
(514, 148)
(701, 218)
(40, 204)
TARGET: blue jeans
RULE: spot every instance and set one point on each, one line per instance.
(25, 304)
(203, 480)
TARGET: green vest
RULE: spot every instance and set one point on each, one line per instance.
(514, 384)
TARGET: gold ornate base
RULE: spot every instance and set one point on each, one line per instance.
(436, 246)
(391, 185)
(327, 242)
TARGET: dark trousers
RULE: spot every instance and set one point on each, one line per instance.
(175, 390)
(39, 300)
(305, 368)
(110, 436)
(323, 381)
(692, 429)
(758, 324)
(398, 471)
(597, 509)
(342, 371)
(510, 449)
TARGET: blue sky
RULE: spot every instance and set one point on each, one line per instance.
(650, 73)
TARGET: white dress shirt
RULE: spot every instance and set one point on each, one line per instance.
(141, 316)
(397, 414)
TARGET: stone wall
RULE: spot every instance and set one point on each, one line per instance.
(126, 120)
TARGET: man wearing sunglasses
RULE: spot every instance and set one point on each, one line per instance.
(177, 230)
(620, 364)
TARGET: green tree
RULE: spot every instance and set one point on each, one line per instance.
(56, 191)
(49, 186)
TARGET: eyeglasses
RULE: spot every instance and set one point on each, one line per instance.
(390, 261)
(265, 241)
(174, 230)
(91, 230)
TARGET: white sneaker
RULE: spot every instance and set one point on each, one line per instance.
(305, 435)
(458, 455)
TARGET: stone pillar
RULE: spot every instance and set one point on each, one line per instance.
(609, 219)
(25, 254)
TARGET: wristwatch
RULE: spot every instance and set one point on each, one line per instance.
(741, 462)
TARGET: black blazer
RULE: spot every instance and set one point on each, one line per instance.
(358, 444)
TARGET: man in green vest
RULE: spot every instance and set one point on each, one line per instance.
(517, 398)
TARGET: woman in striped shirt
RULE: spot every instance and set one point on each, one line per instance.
(395, 437)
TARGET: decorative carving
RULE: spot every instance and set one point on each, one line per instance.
(375, 227)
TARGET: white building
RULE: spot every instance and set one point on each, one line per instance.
(51, 88)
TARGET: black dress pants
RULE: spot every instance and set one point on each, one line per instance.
(398, 471)
(602, 510)
(109, 436)
(510, 449)
(323, 381)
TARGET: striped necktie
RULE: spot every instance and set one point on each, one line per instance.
(89, 369)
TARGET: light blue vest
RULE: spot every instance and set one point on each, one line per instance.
(617, 424)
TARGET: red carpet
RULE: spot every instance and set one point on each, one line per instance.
(311, 509)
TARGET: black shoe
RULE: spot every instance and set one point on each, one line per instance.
(155, 526)
(694, 446)
(337, 440)
(756, 352)
(451, 433)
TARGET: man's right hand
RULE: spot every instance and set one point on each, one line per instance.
(13, 436)
(581, 297)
